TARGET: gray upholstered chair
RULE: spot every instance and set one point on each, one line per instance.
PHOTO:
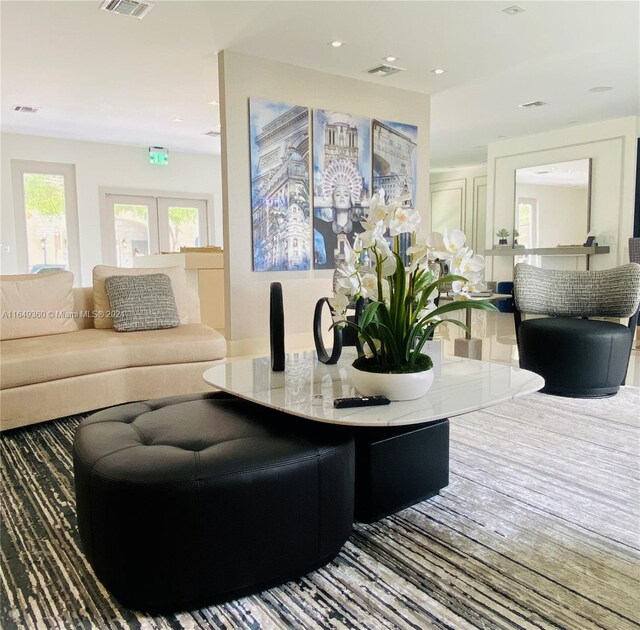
(577, 356)
(634, 249)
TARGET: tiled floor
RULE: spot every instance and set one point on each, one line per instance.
(499, 341)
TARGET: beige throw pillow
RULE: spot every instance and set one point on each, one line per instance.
(36, 305)
(187, 308)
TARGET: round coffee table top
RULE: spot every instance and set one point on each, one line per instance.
(307, 389)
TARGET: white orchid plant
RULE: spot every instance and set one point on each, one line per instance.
(400, 313)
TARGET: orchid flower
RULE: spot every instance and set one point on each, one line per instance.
(404, 220)
(400, 313)
(339, 303)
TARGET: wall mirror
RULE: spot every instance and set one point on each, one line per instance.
(552, 204)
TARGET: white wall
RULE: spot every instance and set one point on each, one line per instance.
(104, 165)
(242, 77)
(612, 146)
(469, 185)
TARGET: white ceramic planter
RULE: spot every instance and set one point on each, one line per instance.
(393, 386)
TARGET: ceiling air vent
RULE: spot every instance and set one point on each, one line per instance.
(212, 134)
(127, 7)
(533, 104)
(383, 70)
(25, 109)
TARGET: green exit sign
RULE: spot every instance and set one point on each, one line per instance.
(158, 155)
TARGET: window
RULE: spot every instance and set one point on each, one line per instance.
(527, 226)
(46, 216)
(527, 223)
(135, 225)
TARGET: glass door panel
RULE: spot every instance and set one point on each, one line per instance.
(182, 223)
(132, 232)
(135, 227)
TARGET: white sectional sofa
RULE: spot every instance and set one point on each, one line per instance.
(78, 367)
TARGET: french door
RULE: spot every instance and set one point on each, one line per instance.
(137, 225)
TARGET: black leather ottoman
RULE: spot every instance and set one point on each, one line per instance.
(577, 357)
(190, 501)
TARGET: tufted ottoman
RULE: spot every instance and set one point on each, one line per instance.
(189, 501)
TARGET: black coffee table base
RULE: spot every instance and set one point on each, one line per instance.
(398, 467)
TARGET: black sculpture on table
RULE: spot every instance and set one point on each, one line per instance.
(341, 336)
(276, 327)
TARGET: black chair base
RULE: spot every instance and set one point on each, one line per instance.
(603, 392)
(577, 358)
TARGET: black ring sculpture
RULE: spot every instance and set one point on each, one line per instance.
(336, 351)
(346, 337)
(276, 327)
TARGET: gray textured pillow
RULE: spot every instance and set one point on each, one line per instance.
(144, 302)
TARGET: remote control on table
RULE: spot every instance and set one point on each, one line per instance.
(360, 401)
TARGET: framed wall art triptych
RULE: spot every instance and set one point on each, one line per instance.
(297, 224)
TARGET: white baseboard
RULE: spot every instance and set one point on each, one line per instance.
(259, 346)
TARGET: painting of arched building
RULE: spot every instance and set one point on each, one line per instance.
(280, 208)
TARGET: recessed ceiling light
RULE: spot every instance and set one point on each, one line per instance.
(390, 58)
(176, 120)
(533, 104)
(438, 71)
(514, 10)
(601, 88)
(214, 102)
(336, 43)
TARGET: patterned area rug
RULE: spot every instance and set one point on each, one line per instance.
(539, 528)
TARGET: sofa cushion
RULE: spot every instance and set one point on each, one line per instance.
(186, 300)
(36, 305)
(142, 302)
(37, 360)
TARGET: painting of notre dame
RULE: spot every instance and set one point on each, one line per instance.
(280, 207)
(341, 183)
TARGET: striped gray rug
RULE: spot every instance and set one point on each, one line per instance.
(539, 528)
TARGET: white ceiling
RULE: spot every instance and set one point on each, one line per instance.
(110, 78)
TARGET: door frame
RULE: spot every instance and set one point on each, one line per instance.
(107, 226)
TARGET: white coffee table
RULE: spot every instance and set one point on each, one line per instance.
(402, 449)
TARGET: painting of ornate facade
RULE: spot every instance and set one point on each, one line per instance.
(280, 207)
(395, 166)
(341, 184)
